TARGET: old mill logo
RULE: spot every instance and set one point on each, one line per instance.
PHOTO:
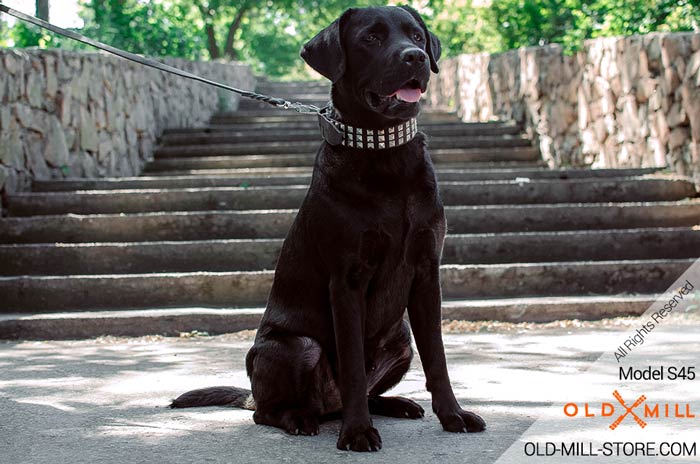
(628, 410)
(638, 411)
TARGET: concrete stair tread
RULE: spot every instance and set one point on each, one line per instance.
(455, 159)
(693, 229)
(539, 191)
(450, 303)
(235, 135)
(261, 253)
(242, 171)
(195, 167)
(245, 288)
(292, 114)
(453, 208)
(314, 137)
(280, 176)
(488, 152)
(500, 266)
(309, 129)
(173, 321)
(512, 170)
(569, 233)
(271, 115)
(444, 185)
(274, 223)
(280, 125)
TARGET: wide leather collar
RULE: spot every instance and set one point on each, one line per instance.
(337, 133)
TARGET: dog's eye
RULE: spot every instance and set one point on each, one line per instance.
(418, 37)
(372, 38)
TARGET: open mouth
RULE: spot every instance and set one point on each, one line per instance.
(410, 92)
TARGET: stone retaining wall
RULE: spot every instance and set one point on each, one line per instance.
(620, 102)
(68, 114)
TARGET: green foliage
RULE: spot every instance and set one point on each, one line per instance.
(617, 17)
(274, 40)
(532, 22)
(150, 28)
(462, 27)
(28, 37)
(22, 35)
(268, 34)
(568, 22)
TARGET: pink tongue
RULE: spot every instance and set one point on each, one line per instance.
(408, 95)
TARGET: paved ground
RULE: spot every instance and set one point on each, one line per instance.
(105, 400)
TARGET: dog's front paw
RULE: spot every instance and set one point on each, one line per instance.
(299, 422)
(395, 406)
(462, 421)
(364, 438)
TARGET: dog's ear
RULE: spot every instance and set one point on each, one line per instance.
(325, 52)
(432, 43)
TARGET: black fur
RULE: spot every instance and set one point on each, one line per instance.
(364, 247)
(215, 396)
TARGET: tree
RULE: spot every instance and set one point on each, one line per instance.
(212, 9)
(42, 9)
(268, 34)
(522, 23)
(149, 28)
(569, 22)
(619, 17)
(462, 27)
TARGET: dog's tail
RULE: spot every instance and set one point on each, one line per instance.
(216, 396)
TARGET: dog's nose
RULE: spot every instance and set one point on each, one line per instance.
(413, 55)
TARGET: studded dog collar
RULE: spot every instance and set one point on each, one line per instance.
(337, 133)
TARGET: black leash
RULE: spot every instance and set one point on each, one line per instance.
(328, 130)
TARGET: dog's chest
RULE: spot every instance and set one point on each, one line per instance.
(412, 239)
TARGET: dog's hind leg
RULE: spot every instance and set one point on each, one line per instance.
(288, 377)
(391, 361)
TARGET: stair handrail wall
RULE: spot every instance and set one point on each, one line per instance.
(89, 114)
(619, 102)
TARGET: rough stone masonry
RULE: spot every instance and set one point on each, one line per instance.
(619, 102)
(78, 114)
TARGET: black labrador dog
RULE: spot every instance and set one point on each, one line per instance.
(364, 247)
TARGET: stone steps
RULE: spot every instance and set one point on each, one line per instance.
(275, 197)
(173, 322)
(218, 225)
(445, 158)
(268, 114)
(191, 244)
(305, 138)
(309, 131)
(169, 168)
(290, 176)
(280, 125)
(471, 150)
(261, 254)
(29, 294)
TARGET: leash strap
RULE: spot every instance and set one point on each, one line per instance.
(278, 102)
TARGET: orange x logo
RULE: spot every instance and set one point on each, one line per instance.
(628, 410)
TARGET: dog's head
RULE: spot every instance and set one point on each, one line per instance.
(379, 60)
